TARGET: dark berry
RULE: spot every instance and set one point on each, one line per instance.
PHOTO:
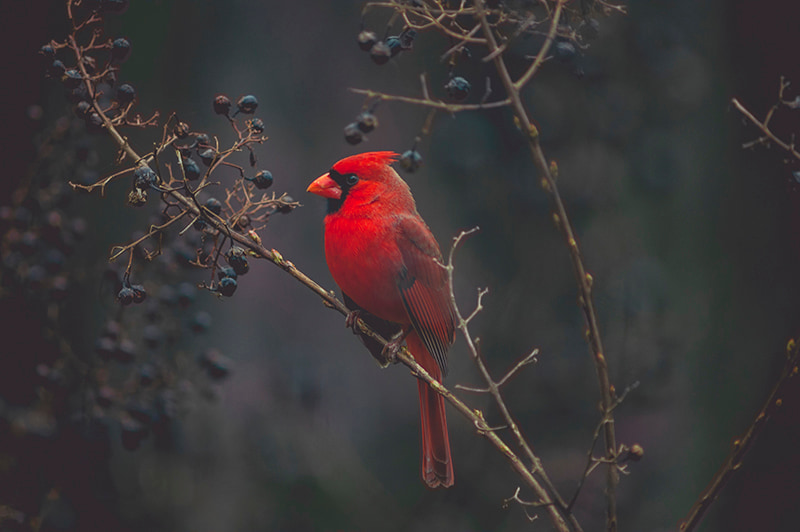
(82, 109)
(256, 125)
(589, 29)
(125, 351)
(186, 294)
(152, 336)
(238, 260)
(407, 38)
(226, 272)
(366, 40)
(380, 53)
(215, 363)
(285, 208)
(564, 51)
(411, 160)
(247, 104)
(126, 94)
(48, 52)
(56, 69)
(367, 121)
(190, 169)
(263, 179)
(202, 139)
(110, 78)
(105, 347)
(125, 295)
(120, 50)
(72, 78)
(227, 286)
(395, 45)
(94, 122)
(207, 156)
(139, 293)
(201, 321)
(353, 134)
(144, 177)
(214, 205)
(181, 130)
(222, 104)
(79, 94)
(458, 88)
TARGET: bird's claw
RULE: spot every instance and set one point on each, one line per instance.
(390, 350)
(351, 320)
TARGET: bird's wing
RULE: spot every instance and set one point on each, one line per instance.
(425, 289)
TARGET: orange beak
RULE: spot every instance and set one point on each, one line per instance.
(326, 187)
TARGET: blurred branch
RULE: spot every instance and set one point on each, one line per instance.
(549, 173)
(742, 445)
(559, 510)
(429, 102)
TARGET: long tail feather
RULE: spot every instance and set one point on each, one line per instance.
(437, 465)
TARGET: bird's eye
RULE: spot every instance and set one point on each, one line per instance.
(351, 180)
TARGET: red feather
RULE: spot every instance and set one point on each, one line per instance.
(384, 258)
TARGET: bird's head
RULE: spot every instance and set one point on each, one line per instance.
(361, 180)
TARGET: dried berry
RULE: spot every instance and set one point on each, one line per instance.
(82, 109)
(125, 295)
(247, 104)
(215, 363)
(190, 169)
(395, 45)
(126, 94)
(366, 121)
(214, 205)
(226, 271)
(286, 208)
(207, 156)
(353, 134)
(222, 104)
(411, 160)
(262, 180)
(72, 78)
(144, 177)
(139, 293)
(181, 130)
(256, 125)
(48, 52)
(380, 53)
(366, 40)
(238, 260)
(589, 29)
(120, 50)
(564, 51)
(227, 286)
(458, 88)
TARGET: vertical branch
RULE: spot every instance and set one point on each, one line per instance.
(493, 388)
(583, 278)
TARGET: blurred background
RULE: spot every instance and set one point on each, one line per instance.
(691, 240)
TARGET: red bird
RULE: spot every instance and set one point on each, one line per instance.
(384, 258)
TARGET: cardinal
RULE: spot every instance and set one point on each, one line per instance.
(386, 261)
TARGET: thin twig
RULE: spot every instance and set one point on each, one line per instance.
(742, 445)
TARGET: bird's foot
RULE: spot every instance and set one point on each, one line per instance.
(392, 347)
(351, 320)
